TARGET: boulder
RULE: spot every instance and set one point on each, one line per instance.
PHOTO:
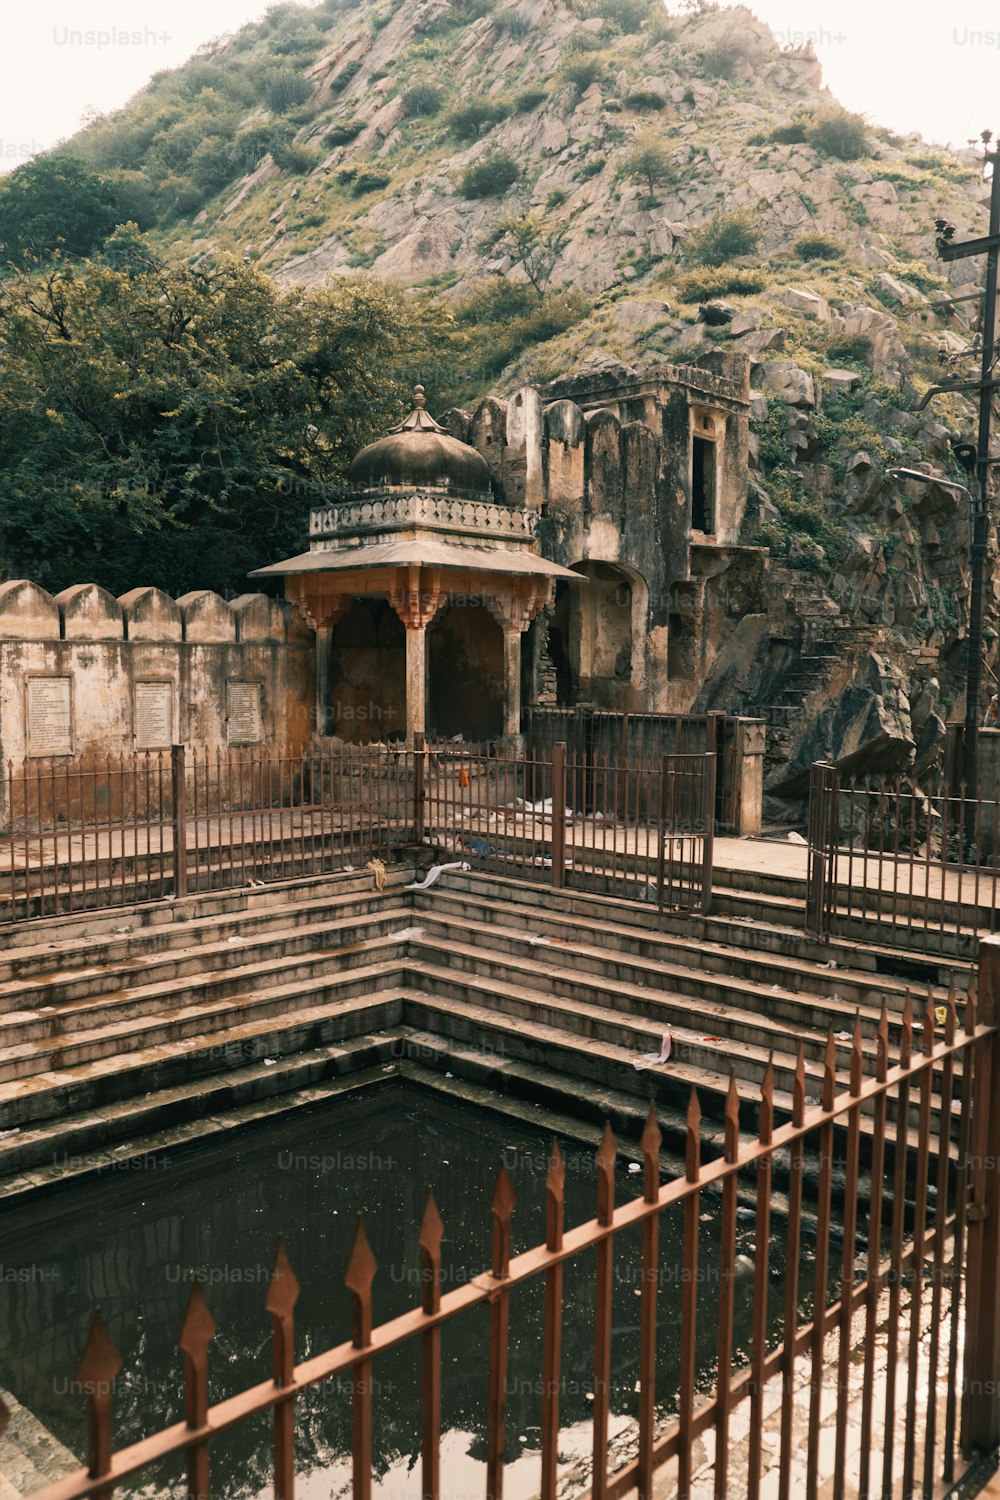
(840, 382)
(785, 379)
(862, 725)
(810, 304)
(716, 314)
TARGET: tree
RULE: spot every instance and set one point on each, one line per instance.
(649, 162)
(534, 245)
(54, 205)
(165, 425)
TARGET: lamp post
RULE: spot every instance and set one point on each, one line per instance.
(979, 512)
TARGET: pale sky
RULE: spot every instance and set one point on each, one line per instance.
(934, 68)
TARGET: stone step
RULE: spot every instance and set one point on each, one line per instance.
(502, 1041)
(32, 949)
(634, 1020)
(172, 1007)
(594, 948)
(126, 977)
(102, 1136)
(741, 918)
(26, 1062)
(133, 1146)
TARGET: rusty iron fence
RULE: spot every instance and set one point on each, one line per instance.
(912, 866)
(128, 828)
(873, 1375)
(637, 830)
(594, 737)
(143, 827)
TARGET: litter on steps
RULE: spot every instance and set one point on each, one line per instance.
(378, 870)
(434, 875)
(653, 1059)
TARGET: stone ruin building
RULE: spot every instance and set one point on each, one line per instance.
(572, 546)
(576, 545)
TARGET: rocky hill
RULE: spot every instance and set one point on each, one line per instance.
(594, 183)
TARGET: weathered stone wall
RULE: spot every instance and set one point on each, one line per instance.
(607, 462)
(84, 675)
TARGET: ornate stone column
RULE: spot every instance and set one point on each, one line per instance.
(321, 611)
(514, 612)
(416, 601)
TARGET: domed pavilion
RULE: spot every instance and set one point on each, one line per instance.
(419, 584)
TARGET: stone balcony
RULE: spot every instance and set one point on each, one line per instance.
(389, 510)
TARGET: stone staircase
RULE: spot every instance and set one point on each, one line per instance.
(122, 1034)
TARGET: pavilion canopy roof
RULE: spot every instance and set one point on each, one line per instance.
(409, 552)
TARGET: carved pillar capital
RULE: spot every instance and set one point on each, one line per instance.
(417, 597)
(519, 603)
(317, 608)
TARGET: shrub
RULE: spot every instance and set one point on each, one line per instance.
(256, 141)
(556, 198)
(284, 89)
(528, 100)
(490, 177)
(422, 99)
(346, 176)
(793, 133)
(838, 132)
(724, 238)
(722, 58)
(643, 99)
(211, 165)
(628, 15)
(581, 72)
(470, 119)
(698, 286)
(648, 162)
(297, 159)
(345, 75)
(817, 247)
(369, 182)
(588, 169)
(344, 132)
(512, 23)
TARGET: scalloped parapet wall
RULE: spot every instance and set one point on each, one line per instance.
(86, 612)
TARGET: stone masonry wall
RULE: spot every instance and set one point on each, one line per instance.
(84, 675)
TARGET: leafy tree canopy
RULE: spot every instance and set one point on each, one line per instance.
(168, 425)
(53, 204)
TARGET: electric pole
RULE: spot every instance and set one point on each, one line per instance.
(948, 250)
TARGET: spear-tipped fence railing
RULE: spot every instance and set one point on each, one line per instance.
(118, 829)
(918, 866)
(918, 1106)
(121, 829)
(639, 829)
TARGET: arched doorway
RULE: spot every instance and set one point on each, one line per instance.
(367, 698)
(597, 637)
(465, 674)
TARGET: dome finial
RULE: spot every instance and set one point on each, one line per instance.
(419, 397)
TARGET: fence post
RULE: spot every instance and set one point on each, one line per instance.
(559, 813)
(981, 1393)
(708, 843)
(824, 789)
(661, 828)
(178, 787)
(418, 788)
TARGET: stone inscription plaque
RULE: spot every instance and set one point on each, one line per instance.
(246, 722)
(49, 716)
(154, 715)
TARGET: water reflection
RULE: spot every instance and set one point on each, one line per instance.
(133, 1242)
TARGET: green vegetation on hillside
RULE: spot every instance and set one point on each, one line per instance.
(168, 426)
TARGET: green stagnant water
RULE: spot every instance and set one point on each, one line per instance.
(132, 1242)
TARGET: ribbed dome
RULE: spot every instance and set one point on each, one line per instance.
(421, 453)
